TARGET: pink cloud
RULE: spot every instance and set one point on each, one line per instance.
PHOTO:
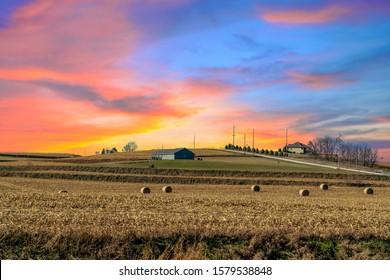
(170, 3)
(205, 87)
(67, 36)
(382, 119)
(384, 155)
(60, 86)
(324, 15)
(316, 81)
(36, 74)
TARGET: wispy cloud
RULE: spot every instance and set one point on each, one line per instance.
(306, 16)
(382, 119)
(317, 81)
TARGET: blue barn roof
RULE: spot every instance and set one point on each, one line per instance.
(170, 151)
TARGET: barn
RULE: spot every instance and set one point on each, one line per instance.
(172, 154)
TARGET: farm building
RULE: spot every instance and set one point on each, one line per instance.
(109, 151)
(297, 148)
(172, 154)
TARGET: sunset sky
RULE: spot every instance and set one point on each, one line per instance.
(81, 75)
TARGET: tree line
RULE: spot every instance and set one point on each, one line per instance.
(254, 150)
(330, 148)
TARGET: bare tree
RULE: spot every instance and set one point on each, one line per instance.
(130, 147)
(315, 147)
(372, 157)
(347, 152)
(367, 156)
(328, 145)
(329, 148)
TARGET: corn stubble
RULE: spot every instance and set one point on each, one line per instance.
(105, 220)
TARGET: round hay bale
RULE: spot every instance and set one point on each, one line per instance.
(255, 188)
(63, 191)
(368, 191)
(304, 192)
(145, 190)
(324, 187)
(167, 189)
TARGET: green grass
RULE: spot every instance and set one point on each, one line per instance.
(228, 163)
(212, 160)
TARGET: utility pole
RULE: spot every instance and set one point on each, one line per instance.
(253, 141)
(234, 129)
(338, 150)
(357, 157)
(194, 141)
(286, 141)
(244, 148)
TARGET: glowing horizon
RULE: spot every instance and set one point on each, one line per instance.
(82, 75)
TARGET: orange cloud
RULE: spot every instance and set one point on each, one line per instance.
(37, 74)
(327, 14)
(316, 81)
(56, 124)
(58, 115)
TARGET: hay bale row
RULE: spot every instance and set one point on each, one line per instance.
(254, 188)
(166, 189)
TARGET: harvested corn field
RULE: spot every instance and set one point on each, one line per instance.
(105, 207)
(114, 220)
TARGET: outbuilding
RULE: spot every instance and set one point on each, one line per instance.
(172, 154)
(109, 151)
